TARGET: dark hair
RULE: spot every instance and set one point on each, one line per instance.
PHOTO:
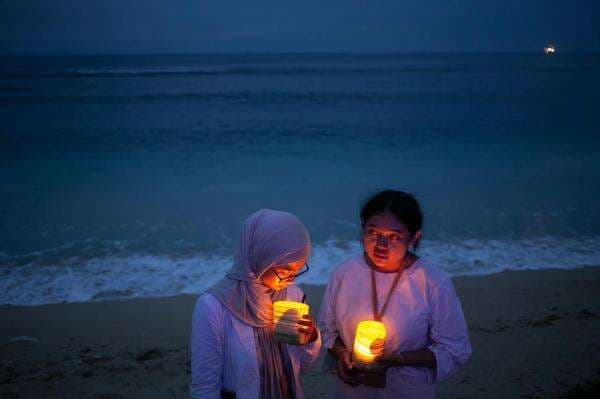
(403, 206)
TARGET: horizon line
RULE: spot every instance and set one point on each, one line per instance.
(57, 54)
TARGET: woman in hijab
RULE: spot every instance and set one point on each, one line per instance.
(234, 354)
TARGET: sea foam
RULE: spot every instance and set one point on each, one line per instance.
(142, 275)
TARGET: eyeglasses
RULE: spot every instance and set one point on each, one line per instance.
(292, 276)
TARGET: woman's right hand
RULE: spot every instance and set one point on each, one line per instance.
(346, 371)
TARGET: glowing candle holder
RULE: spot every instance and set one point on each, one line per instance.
(286, 316)
(368, 342)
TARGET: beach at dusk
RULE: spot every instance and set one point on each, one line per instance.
(439, 158)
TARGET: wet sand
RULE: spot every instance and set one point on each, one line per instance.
(535, 334)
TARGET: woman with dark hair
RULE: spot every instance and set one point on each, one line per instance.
(234, 353)
(426, 334)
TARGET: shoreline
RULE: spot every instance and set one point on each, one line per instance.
(534, 334)
(121, 274)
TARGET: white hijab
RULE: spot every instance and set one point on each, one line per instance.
(268, 239)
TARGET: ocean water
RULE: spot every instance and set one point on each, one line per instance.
(129, 176)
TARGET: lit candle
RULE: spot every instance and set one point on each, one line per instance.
(368, 342)
(286, 315)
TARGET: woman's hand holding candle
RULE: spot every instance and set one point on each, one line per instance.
(385, 361)
(293, 325)
(418, 358)
(346, 370)
(308, 328)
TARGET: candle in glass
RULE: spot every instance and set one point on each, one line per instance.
(286, 315)
(368, 342)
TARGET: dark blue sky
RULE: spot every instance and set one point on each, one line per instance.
(188, 26)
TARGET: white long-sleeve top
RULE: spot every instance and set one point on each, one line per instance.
(423, 312)
(224, 356)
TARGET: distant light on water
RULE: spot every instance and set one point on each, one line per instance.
(549, 50)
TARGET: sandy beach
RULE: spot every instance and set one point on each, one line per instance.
(535, 334)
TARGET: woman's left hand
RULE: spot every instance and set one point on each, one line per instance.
(308, 328)
(385, 361)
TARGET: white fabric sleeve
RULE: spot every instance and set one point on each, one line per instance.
(206, 345)
(327, 317)
(448, 331)
(308, 354)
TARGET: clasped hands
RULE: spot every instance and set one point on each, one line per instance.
(352, 374)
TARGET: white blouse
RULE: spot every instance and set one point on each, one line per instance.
(423, 312)
(223, 352)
